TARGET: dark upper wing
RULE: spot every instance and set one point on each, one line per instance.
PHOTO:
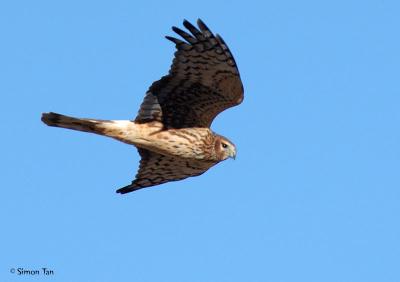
(155, 169)
(202, 82)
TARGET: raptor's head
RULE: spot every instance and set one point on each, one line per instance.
(224, 148)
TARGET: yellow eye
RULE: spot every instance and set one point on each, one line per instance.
(224, 145)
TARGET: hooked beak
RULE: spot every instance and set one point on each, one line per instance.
(232, 154)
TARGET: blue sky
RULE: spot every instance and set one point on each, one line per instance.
(312, 196)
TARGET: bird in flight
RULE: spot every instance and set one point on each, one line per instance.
(172, 128)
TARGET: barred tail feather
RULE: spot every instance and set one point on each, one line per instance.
(122, 130)
(86, 125)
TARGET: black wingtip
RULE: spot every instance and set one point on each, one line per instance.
(200, 22)
(188, 37)
(123, 191)
(220, 39)
(176, 29)
(175, 40)
(188, 25)
(203, 27)
(120, 191)
(127, 189)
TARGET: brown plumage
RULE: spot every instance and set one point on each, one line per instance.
(172, 129)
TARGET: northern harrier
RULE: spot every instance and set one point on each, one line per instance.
(172, 129)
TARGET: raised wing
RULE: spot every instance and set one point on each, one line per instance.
(156, 169)
(202, 82)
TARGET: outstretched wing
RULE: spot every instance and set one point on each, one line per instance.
(202, 82)
(156, 169)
